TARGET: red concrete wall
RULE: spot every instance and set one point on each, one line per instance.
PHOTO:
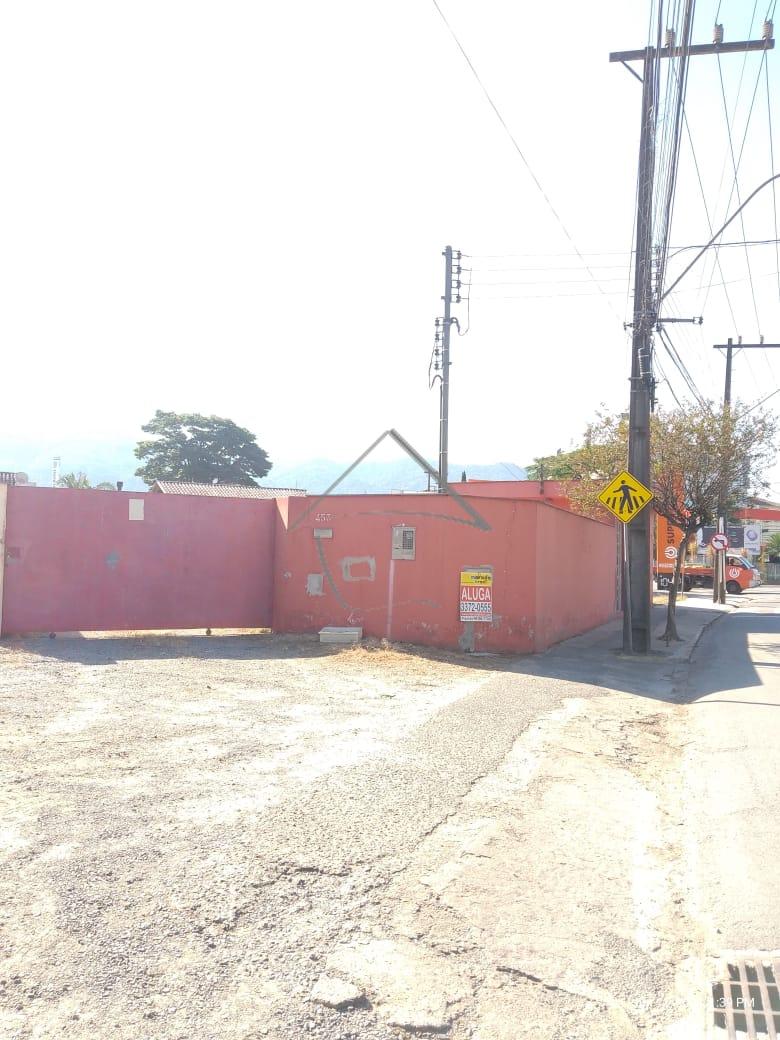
(550, 491)
(417, 600)
(75, 561)
(576, 571)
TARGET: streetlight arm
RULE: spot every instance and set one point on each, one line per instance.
(717, 234)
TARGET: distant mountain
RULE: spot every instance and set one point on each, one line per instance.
(316, 475)
(100, 460)
(114, 460)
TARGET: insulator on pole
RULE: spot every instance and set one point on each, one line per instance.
(768, 29)
(717, 33)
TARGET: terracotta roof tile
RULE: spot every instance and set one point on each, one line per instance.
(185, 487)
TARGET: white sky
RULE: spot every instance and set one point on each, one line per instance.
(239, 208)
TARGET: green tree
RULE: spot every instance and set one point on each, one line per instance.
(561, 466)
(704, 459)
(204, 449)
(773, 544)
(81, 480)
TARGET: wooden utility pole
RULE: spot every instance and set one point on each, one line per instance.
(639, 531)
(732, 348)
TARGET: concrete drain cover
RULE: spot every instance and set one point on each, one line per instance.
(746, 996)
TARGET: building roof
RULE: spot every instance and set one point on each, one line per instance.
(186, 487)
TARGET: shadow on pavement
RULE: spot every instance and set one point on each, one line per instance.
(595, 658)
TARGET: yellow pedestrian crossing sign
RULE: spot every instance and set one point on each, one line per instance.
(625, 496)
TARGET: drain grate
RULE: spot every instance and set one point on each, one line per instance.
(746, 996)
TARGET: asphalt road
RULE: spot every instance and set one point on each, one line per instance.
(733, 773)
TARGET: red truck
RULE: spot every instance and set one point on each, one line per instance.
(740, 575)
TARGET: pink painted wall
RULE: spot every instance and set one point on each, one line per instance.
(417, 600)
(75, 561)
(576, 572)
(551, 491)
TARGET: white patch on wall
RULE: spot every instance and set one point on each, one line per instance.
(136, 507)
(358, 568)
(314, 585)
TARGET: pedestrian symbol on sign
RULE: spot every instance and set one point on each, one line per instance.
(625, 496)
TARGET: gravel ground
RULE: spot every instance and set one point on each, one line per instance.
(216, 838)
(169, 866)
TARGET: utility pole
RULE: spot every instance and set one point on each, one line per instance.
(731, 349)
(638, 637)
(444, 398)
(440, 362)
(719, 570)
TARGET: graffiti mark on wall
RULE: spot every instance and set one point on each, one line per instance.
(329, 576)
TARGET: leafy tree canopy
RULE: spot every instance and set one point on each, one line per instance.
(561, 466)
(705, 461)
(200, 448)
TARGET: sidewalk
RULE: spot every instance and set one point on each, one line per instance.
(596, 657)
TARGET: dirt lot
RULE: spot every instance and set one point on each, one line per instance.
(142, 895)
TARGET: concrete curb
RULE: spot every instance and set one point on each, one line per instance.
(703, 629)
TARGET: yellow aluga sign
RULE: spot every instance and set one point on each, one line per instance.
(625, 496)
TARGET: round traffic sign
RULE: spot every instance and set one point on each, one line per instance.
(719, 541)
(670, 552)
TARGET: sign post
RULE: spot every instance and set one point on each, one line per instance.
(719, 544)
(625, 497)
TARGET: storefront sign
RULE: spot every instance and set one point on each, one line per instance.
(752, 537)
(667, 541)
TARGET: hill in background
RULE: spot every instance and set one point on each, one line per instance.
(376, 476)
(112, 461)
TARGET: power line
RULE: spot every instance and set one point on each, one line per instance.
(675, 249)
(554, 267)
(759, 403)
(665, 379)
(610, 292)
(736, 102)
(772, 167)
(519, 150)
(719, 232)
(736, 164)
(709, 221)
(550, 281)
(681, 367)
(677, 81)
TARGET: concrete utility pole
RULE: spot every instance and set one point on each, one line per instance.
(639, 531)
(444, 398)
(719, 570)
